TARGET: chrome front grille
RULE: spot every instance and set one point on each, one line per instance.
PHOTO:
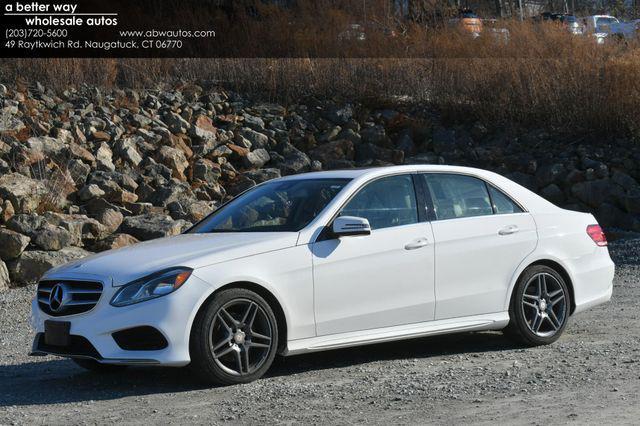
(60, 298)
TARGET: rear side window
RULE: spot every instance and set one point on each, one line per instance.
(501, 203)
(457, 196)
(385, 202)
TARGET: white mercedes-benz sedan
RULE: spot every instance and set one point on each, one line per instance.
(327, 260)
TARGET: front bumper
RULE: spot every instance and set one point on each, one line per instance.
(92, 332)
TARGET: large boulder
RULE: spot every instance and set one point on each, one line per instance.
(102, 179)
(6, 211)
(203, 130)
(116, 241)
(191, 212)
(368, 152)
(118, 188)
(176, 123)
(294, 162)
(48, 146)
(257, 139)
(593, 193)
(240, 184)
(624, 180)
(52, 238)
(337, 150)
(151, 226)
(104, 157)
(444, 140)
(175, 159)
(4, 276)
(26, 224)
(172, 191)
(376, 135)
(550, 173)
(111, 219)
(632, 201)
(25, 193)
(206, 170)
(29, 267)
(80, 227)
(89, 192)
(12, 244)
(128, 151)
(253, 121)
(10, 125)
(553, 193)
(338, 114)
(263, 175)
(81, 153)
(256, 159)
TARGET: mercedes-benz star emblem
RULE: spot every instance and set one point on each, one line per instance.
(58, 297)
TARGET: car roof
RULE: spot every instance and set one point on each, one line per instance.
(385, 170)
(530, 200)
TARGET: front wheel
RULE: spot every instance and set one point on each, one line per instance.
(234, 338)
(539, 307)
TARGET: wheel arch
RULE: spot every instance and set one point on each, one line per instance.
(267, 295)
(556, 266)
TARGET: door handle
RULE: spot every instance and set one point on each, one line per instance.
(419, 243)
(508, 230)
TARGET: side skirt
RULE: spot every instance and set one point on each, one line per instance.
(496, 321)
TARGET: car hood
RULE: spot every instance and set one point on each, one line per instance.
(189, 250)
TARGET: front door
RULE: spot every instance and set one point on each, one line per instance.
(378, 280)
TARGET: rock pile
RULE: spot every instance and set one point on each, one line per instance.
(85, 170)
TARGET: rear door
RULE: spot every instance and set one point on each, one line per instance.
(481, 236)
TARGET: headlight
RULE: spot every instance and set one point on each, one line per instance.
(151, 287)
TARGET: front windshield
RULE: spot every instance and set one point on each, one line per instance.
(604, 23)
(280, 206)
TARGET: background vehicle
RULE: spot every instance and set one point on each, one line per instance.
(328, 260)
(499, 33)
(570, 22)
(353, 32)
(468, 22)
(625, 30)
(358, 32)
(567, 21)
(599, 26)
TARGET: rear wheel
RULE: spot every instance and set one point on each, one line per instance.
(234, 338)
(539, 307)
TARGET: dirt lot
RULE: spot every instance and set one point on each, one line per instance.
(591, 375)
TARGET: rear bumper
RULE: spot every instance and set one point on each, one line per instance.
(593, 279)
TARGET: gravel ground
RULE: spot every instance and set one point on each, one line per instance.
(591, 375)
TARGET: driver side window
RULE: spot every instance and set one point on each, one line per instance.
(385, 202)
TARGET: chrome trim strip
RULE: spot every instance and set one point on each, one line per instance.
(123, 361)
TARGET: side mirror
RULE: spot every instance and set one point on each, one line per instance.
(344, 226)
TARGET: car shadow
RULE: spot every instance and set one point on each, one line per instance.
(426, 347)
(56, 380)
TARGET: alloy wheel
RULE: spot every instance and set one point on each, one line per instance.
(544, 305)
(241, 337)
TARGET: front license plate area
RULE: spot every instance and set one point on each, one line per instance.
(56, 333)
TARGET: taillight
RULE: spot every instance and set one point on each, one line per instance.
(597, 235)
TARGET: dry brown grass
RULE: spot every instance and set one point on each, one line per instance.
(543, 78)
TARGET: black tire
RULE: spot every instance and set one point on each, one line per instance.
(523, 316)
(210, 331)
(95, 366)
